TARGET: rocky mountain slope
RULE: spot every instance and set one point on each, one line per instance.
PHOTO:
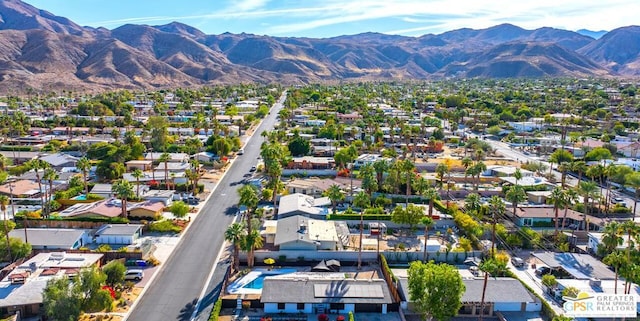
(47, 52)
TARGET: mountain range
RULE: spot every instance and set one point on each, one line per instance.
(47, 52)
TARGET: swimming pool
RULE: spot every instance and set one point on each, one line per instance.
(252, 282)
(81, 197)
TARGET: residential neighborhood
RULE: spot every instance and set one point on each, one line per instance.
(346, 196)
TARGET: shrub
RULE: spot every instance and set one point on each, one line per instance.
(164, 227)
(103, 248)
(215, 312)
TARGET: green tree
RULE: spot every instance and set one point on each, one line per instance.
(516, 195)
(165, 158)
(234, 234)
(299, 146)
(559, 200)
(598, 154)
(435, 289)
(137, 174)
(221, 146)
(369, 182)
(249, 198)
(4, 201)
(615, 259)
(60, 300)
(124, 191)
(428, 223)
(335, 194)
(179, 209)
(84, 165)
(549, 280)
(115, 271)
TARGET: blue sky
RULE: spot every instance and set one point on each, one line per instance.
(328, 18)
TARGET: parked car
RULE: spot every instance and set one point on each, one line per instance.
(618, 200)
(517, 262)
(543, 270)
(135, 263)
(240, 151)
(472, 261)
(134, 274)
(253, 169)
(191, 200)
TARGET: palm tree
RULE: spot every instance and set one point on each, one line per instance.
(380, 166)
(558, 199)
(137, 174)
(4, 162)
(466, 163)
(428, 223)
(369, 182)
(335, 194)
(588, 190)
(579, 167)
(164, 158)
(4, 201)
(362, 201)
(432, 194)
(515, 195)
(49, 175)
(472, 203)
(633, 231)
(234, 234)
(480, 167)
(124, 191)
(407, 167)
(250, 243)
(571, 197)
(441, 171)
(37, 165)
(564, 167)
(497, 207)
(84, 165)
(615, 259)
(249, 198)
(611, 237)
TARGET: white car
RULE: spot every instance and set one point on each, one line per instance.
(134, 274)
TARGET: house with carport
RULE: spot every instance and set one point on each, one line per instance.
(303, 233)
(121, 234)
(52, 238)
(324, 292)
(147, 209)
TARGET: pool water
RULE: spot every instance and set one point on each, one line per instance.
(81, 197)
(256, 283)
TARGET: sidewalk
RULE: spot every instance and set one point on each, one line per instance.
(527, 275)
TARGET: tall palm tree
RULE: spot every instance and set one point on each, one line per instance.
(249, 198)
(407, 167)
(369, 182)
(164, 158)
(558, 199)
(516, 195)
(49, 175)
(124, 191)
(571, 197)
(380, 166)
(432, 194)
(579, 167)
(466, 163)
(250, 243)
(589, 191)
(137, 174)
(4, 201)
(362, 201)
(428, 223)
(611, 237)
(84, 165)
(234, 234)
(37, 165)
(615, 259)
(335, 194)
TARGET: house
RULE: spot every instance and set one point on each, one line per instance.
(349, 118)
(206, 157)
(173, 167)
(52, 238)
(300, 204)
(303, 233)
(595, 239)
(173, 157)
(311, 162)
(324, 293)
(526, 181)
(21, 189)
(506, 171)
(538, 197)
(579, 266)
(310, 186)
(154, 195)
(365, 159)
(143, 165)
(125, 234)
(106, 208)
(19, 157)
(544, 216)
(630, 150)
(102, 190)
(60, 160)
(501, 295)
(21, 291)
(148, 209)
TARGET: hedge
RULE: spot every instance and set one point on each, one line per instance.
(215, 312)
(355, 217)
(15, 148)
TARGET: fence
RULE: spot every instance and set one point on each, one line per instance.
(393, 257)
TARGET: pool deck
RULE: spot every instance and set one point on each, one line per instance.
(238, 286)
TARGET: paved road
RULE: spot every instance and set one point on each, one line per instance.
(177, 288)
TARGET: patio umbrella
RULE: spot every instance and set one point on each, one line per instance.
(269, 261)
